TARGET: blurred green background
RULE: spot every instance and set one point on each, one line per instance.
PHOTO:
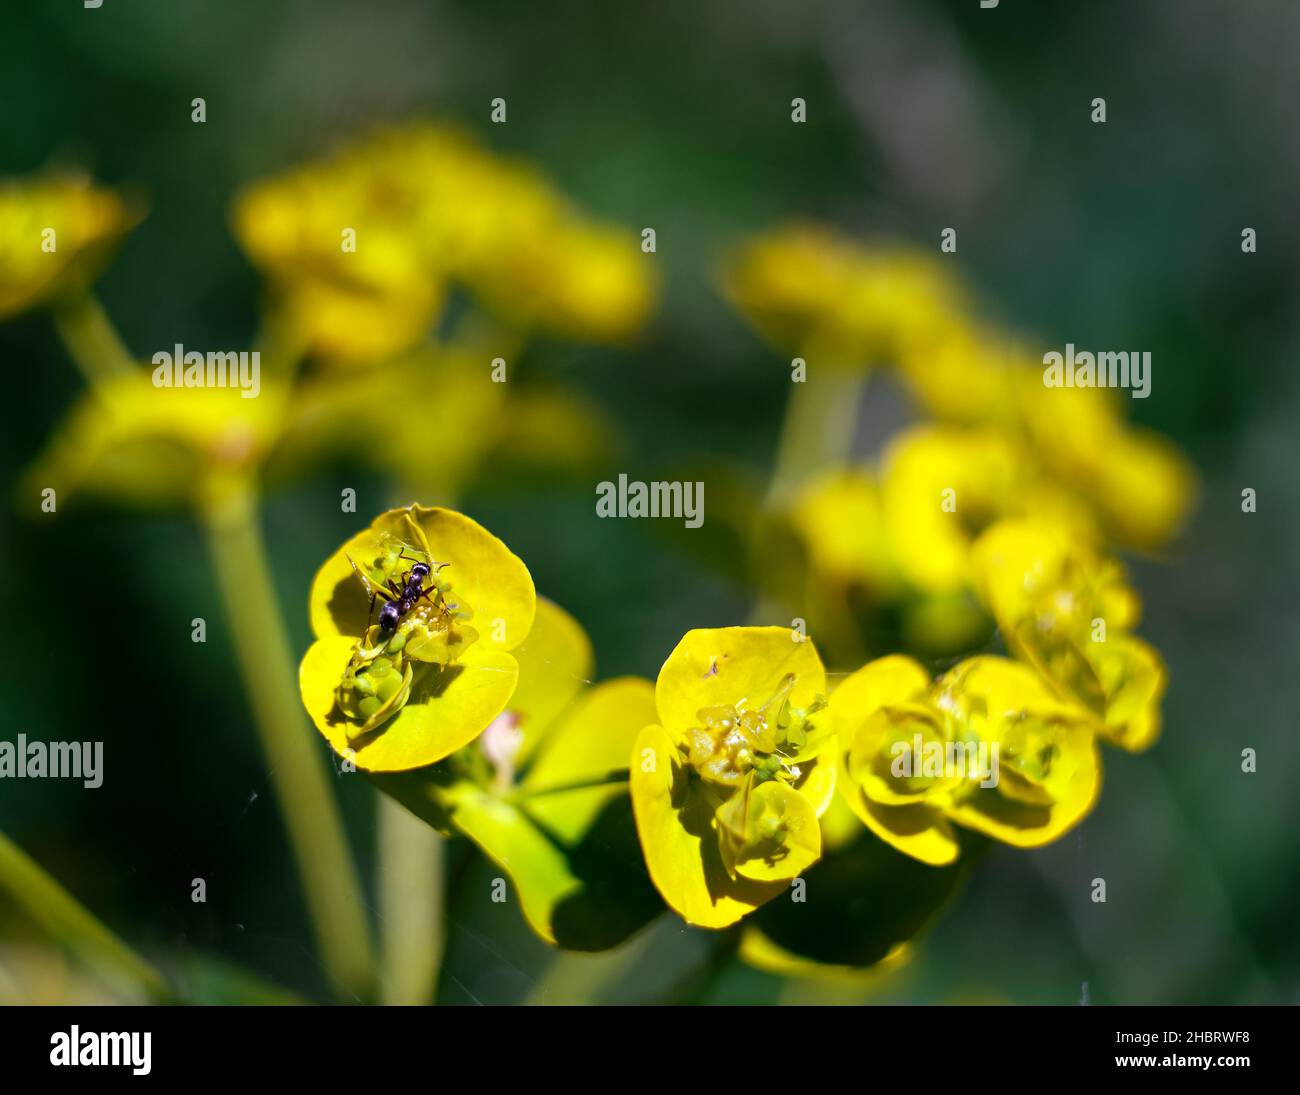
(921, 115)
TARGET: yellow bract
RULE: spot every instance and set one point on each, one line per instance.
(447, 706)
(57, 232)
(762, 952)
(727, 788)
(918, 828)
(410, 697)
(987, 746)
(1067, 612)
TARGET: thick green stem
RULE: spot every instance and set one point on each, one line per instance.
(69, 923)
(297, 769)
(411, 892)
(820, 418)
(91, 339)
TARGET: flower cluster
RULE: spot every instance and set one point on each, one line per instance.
(847, 307)
(436, 669)
(362, 246)
(361, 251)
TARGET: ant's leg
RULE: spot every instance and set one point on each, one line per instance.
(370, 616)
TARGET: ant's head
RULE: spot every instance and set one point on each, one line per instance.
(389, 616)
(420, 571)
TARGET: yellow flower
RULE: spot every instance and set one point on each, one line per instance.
(1049, 773)
(1138, 483)
(360, 245)
(870, 710)
(941, 486)
(339, 240)
(1067, 612)
(572, 278)
(987, 747)
(966, 376)
(406, 693)
(365, 416)
(132, 442)
(728, 786)
(57, 232)
(808, 291)
(543, 791)
(1145, 490)
(839, 517)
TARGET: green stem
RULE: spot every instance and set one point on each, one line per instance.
(411, 858)
(413, 889)
(297, 769)
(523, 794)
(820, 417)
(70, 923)
(91, 339)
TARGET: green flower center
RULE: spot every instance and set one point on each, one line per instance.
(733, 740)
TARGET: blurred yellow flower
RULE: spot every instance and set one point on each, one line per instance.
(728, 786)
(359, 246)
(140, 445)
(811, 292)
(1140, 486)
(1137, 484)
(1067, 612)
(573, 279)
(966, 376)
(57, 232)
(941, 486)
(367, 416)
(839, 517)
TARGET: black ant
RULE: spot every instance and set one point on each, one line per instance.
(399, 599)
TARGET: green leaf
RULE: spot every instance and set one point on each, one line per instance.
(565, 835)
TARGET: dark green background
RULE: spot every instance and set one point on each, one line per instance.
(676, 115)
